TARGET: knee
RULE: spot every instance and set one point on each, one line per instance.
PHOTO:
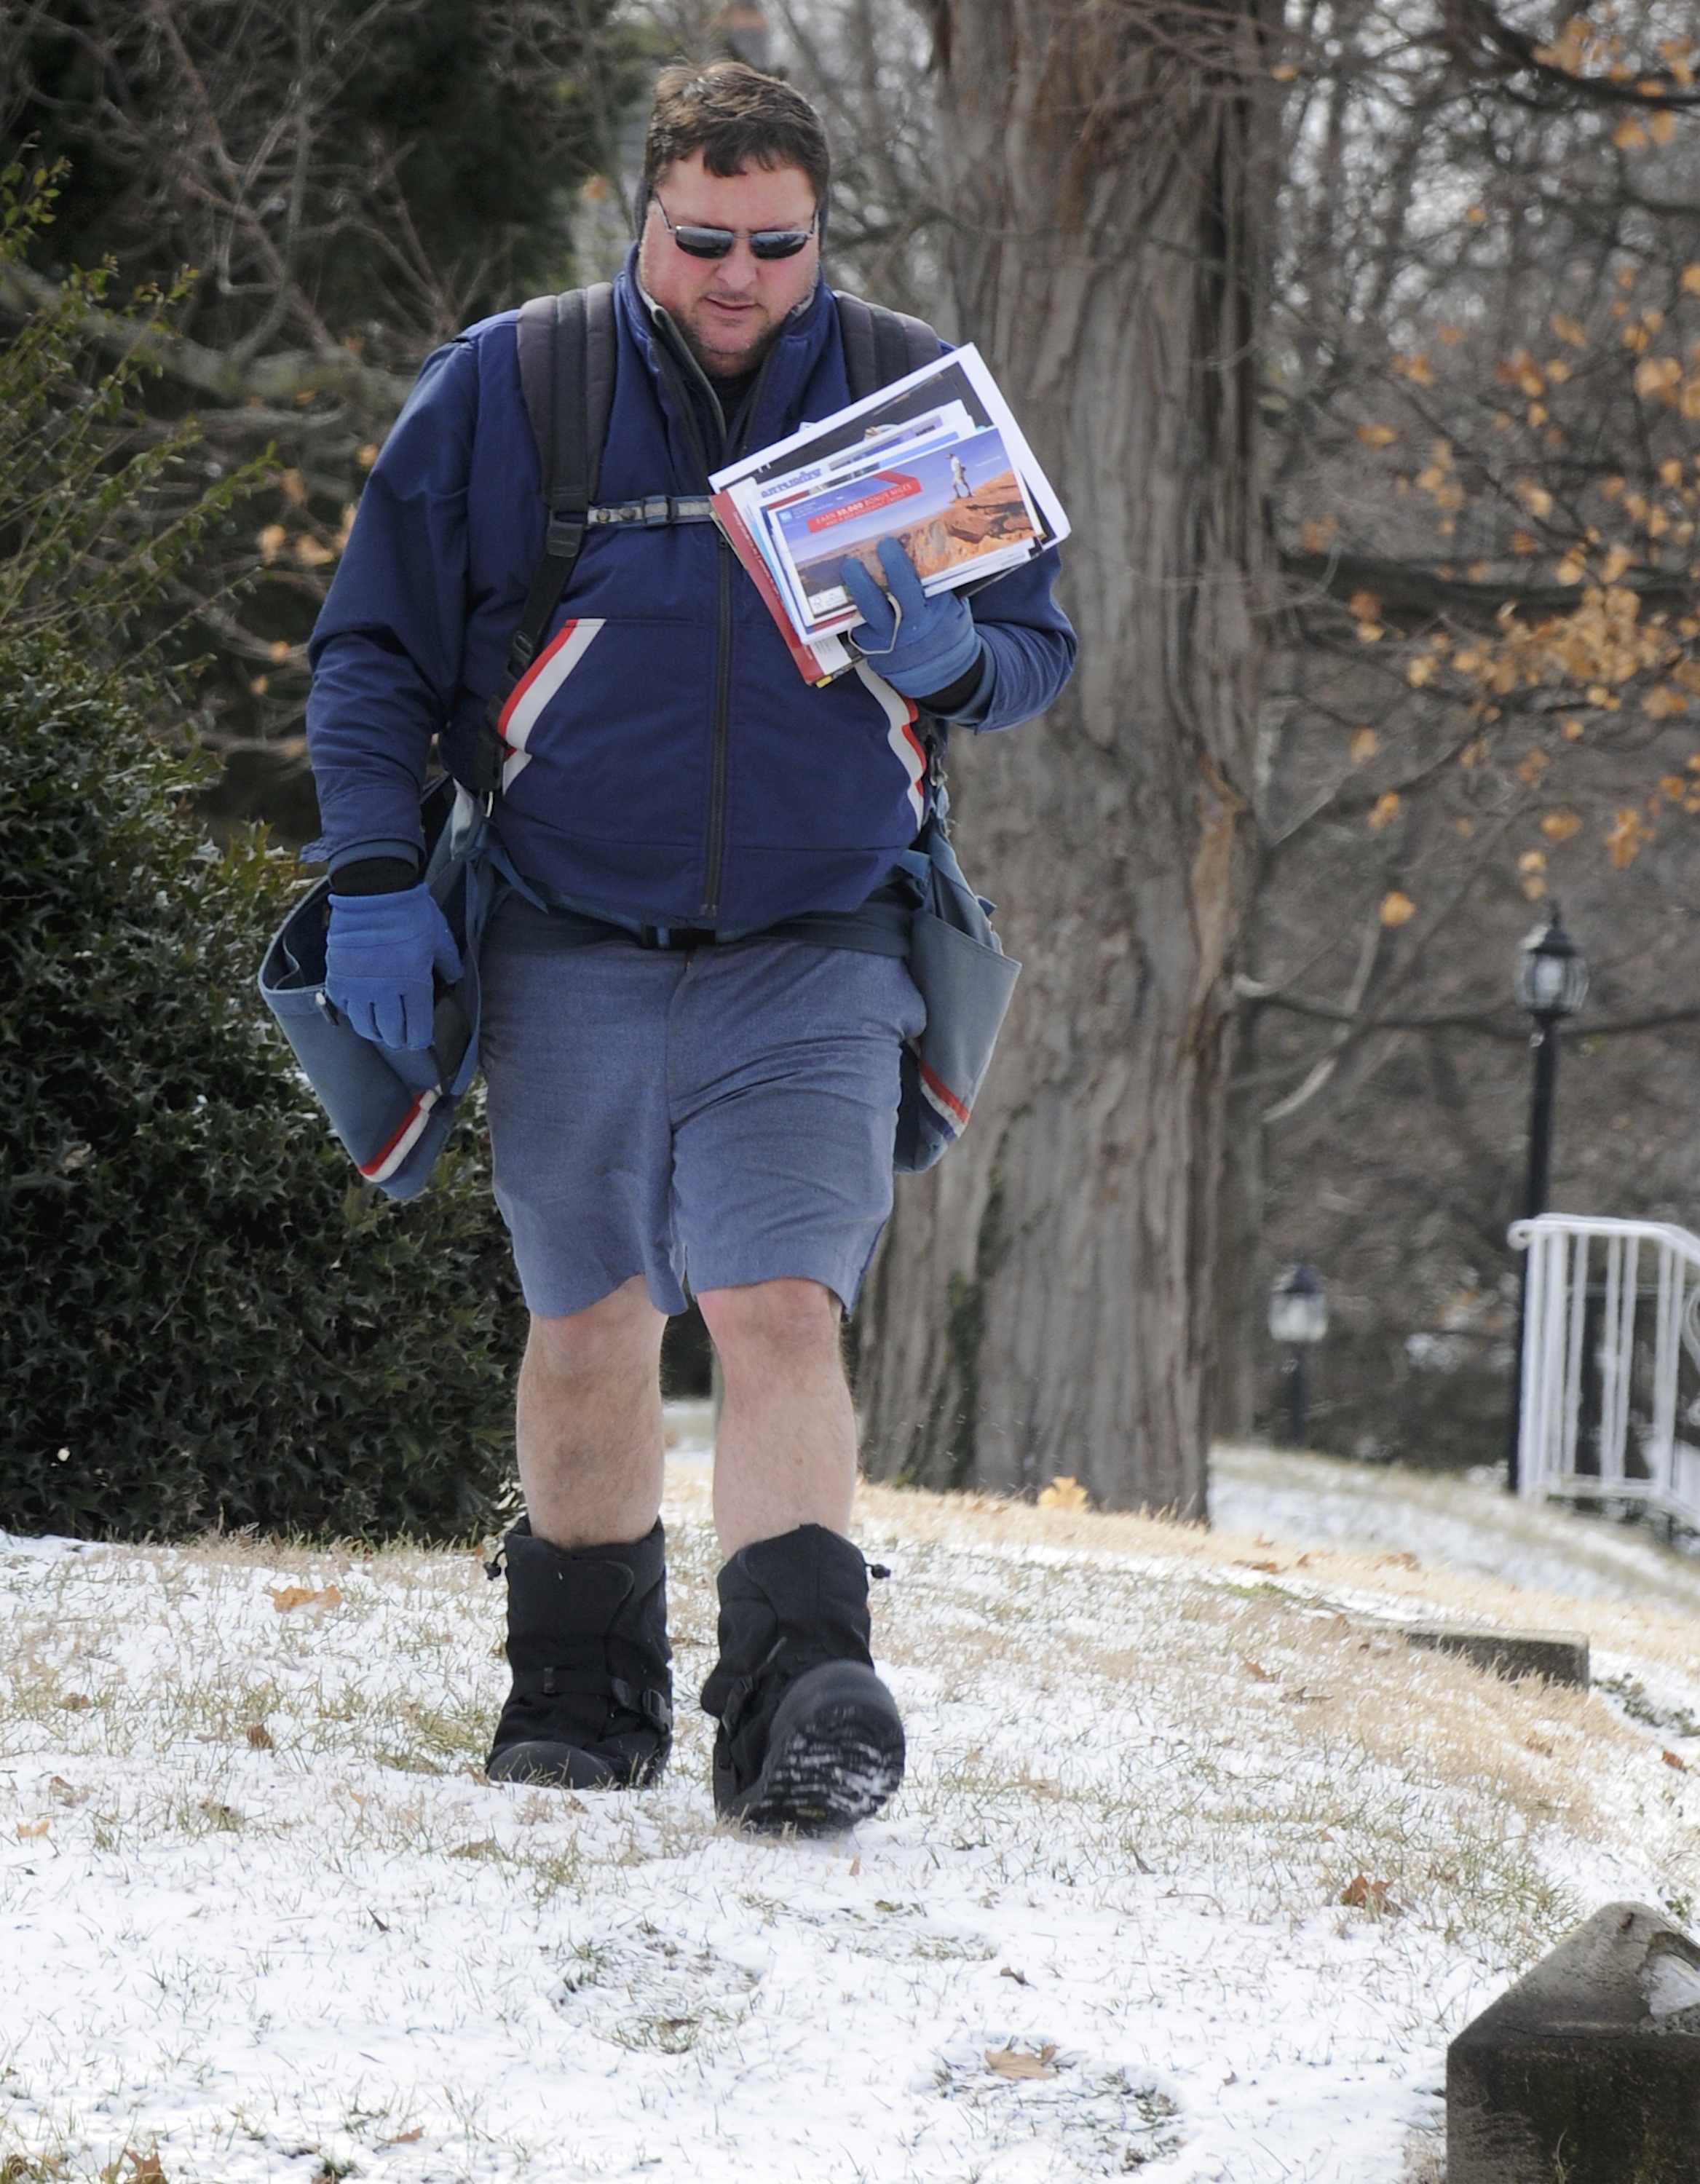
(618, 1335)
(789, 1317)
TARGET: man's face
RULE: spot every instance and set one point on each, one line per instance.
(729, 309)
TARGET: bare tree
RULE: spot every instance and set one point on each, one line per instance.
(1042, 1303)
(329, 188)
(1484, 384)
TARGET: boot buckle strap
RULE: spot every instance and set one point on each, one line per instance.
(736, 1701)
(739, 1699)
(649, 1704)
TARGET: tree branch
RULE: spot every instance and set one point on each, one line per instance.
(1405, 588)
(1491, 1022)
(227, 378)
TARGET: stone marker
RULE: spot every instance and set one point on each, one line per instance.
(1560, 1656)
(1588, 2071)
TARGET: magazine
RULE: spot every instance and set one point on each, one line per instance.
(935, 460)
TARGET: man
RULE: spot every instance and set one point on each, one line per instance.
(694, 996)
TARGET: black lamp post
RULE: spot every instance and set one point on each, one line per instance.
(1552, 983)
(1298, 1317)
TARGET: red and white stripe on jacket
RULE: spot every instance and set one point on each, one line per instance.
(534, 689)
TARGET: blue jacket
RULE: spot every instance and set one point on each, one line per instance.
(670, 764)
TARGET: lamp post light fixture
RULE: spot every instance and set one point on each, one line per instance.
(1551, 983)
(1298, 1317)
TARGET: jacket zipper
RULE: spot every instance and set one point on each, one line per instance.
(714, 856)
(722, 736)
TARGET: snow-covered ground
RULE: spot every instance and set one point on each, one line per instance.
(1469, 1524)
(1197, 1868)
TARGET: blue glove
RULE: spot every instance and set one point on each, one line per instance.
(379, 956)
(921, 645)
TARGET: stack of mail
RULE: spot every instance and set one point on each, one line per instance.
(934, 461)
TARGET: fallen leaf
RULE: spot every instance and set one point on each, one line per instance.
(259, 1737)
(1397, 907)
(75, 1702)
(147, 2166)
(856, 1866)
(1674, 1759)
(1256, 1670)
(1377, 435)
(1020, 2062)
(1020, 1978)
(1365, 743)
(62, 1792)
(286, 1599)
(29, 1830)
(1361, 1893)
(1273, 1568)
(1065, 1494)
(407, 2138)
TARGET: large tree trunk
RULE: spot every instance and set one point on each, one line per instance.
(1043, 1303)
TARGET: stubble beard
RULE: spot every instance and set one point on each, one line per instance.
(727, 364)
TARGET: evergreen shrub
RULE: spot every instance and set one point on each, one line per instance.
(205, 1319)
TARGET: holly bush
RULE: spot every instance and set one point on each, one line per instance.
(206, 1319)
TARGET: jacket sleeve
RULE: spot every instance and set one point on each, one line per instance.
(385, 650)
(1030, 645)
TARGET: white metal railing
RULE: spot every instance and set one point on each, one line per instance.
(1611, 1362)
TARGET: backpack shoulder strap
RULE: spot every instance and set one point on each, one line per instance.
(881, 345)
(568, 353)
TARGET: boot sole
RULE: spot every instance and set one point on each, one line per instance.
(835, 1754)
(547, 1766)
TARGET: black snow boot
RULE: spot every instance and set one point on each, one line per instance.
(810, 1738)
(592, 1705)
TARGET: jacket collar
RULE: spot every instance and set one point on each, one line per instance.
(797, 350)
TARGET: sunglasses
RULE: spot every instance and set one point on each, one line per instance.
(719, 241)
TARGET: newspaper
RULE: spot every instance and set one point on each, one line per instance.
(935, 460)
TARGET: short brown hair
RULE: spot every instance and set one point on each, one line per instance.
(737, 117)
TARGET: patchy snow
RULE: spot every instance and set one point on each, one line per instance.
(264, 1916)
(1469, 1524)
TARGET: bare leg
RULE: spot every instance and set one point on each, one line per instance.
(589, 1432)
(786, 1454)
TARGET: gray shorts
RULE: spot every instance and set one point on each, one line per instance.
(709, 1119)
